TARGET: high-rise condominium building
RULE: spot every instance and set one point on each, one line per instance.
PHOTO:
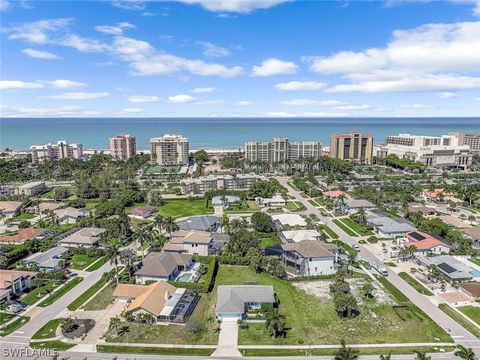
(470, 139)
(443, 151)
(354, 146)
(169, 150)
(62, 149)
(281, 149)
(123, 147)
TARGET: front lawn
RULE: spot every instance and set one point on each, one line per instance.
(360, 229)
(48, 330)
(60, 292)
(184, 207)
(24, 216)
(102, 299)
(97, 264)
(269, 240)
(473, 312)
(295, 206)
(55, 344)
(311, 320)
(475, 261)
(342, 226)
(329, 232)
(80, 261)
(75, 304)
(39, 292)
(415, 284)
(203, 316)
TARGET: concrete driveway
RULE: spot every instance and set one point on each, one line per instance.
(228, 339)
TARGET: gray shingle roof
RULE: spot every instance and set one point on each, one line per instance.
(232, 298)
(389, 225)
(203, 223)
(49, 258)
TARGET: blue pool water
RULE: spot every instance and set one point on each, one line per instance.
(475, 273)
(184, 278)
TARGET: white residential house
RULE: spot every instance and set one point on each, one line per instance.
(70, 215)
(192, 242)
(275, 201)
(310, 258)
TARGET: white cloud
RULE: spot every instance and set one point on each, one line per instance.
(244, 103)
(18, 85)
(40, 111)
(210, 102)
(334, 104)
(145, 60)
(447, 95)
(300, 85)
(83, 44)
(405, 64)
(129, 4)
(38, 32)
(274, 66)
(79, 95)
(132, 111)
(212, 50)
(203, 90)
(181, 99)
(40, 54)
(416, 106)
(280, 114)
(5, 5)
(236, 6)
(65, 84)
(114, 29)
(143, 98)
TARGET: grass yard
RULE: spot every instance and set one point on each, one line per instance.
(48, 330)
(15, 325)
(39, 292)
(60, 292)
(473, 312)
(75, 304)
(80, 262)
(184, 207)
(415, 284)
(153, 351)
(295, 206)
(97, 264)
(475, 261)
(330, 233)
(271, 240)
(342, 226)
(175, 334)
(251, 207)
(460, 319)
(318, 323)
(332, 352)
(24, 216)
(358, 228)
(102, 299)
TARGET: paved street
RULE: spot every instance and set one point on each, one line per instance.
(458, 333)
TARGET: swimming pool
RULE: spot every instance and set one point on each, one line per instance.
(184, 277)
(475, 273)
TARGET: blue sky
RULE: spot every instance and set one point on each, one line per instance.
(240, 58)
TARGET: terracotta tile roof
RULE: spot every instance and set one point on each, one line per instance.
(23, 235)
(436, 192)
(422, 240)
(472, 287)
(334, 193)
(7, 277)
(143, 210)
(129, 290)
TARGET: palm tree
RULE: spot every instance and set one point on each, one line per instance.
(112, 251)
(159, 222)
(386, 357)
(341, 199)
(157, 242)
(170, 225)
(465, 353)
(352, 258)
(143, 235)
(361, 216)
(274, 322)
(346, 353)
(421, 355)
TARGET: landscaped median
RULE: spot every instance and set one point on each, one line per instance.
(156, 350)
(54, 296)
(473, 312)
(14, 325)
(415, 284)
(48, 330)
(460, 319)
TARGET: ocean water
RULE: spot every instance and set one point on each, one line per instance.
(19, 133)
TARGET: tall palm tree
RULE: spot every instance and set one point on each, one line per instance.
(421, 355)
(341, 199)
(464, 353)
(157, 242)
(346, 353)
(274, 323)
(158, 223)
(112, 251)
(361, 216)
(143, 235)
(170, 225)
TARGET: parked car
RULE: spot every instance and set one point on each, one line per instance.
(356, 247)
(15, 308)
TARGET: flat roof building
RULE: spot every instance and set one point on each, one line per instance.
(62, 149)
(123, 146)
(354, 146)
(169, 150)
(282, 149)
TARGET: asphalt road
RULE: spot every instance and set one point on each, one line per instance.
(456, 331)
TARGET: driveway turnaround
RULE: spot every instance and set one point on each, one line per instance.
(228, 339)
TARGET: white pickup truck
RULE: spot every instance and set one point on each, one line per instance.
(381, 268)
